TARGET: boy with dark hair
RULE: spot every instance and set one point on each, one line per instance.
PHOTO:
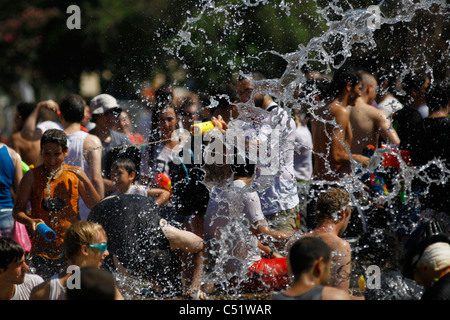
(15, 283)
(53, 189)
(85, 150)
(309, 261)
(123, 175)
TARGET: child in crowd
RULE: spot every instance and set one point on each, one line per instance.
(123, 174)
(54, 189)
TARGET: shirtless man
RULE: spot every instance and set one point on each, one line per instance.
(309, 262)
(333, 212)
(27, 149)
(331, 130)
(369, 123)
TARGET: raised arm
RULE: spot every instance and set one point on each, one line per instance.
(387, 132)
(29, 130)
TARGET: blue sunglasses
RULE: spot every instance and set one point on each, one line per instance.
(102, 246)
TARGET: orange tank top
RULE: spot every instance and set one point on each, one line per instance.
(56, 202)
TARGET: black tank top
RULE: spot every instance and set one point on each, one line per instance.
(135, 237)
(313, 294)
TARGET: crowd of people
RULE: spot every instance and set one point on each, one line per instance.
(147, 201)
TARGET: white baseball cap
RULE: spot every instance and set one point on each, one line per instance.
(103, 103)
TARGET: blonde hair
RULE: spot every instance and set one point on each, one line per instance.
(80, 233)
(330, 204)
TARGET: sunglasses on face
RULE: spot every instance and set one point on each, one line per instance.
(102, 246)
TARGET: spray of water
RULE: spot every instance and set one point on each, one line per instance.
(345, 24)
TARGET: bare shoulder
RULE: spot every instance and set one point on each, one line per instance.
(332, 293)
(92, 140)
(41, 291)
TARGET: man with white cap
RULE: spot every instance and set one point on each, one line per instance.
(426, 258)
(105, 112)
(433, 271)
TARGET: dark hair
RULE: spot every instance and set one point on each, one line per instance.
(54, 136)
(25, 109)
(10, 251)
(342, 77)
(389, 74)
(437, 96)
(413, 81)
(225, 94)
(304, 252)
(95, 284)
(72, 108)
(124, 163)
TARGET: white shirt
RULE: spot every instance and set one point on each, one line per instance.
(23, 290)
(135, 189)
(303, 154)
(57, 291)
(75, 157)
(228, 218)
(390, 105)
(282, 195)
(157, 162)
(48, 124)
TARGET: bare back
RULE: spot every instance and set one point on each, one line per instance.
(341, 258)
(332, 137)
(28, 150)
(368, 124)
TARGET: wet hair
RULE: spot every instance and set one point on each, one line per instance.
(342, 77)
(330, 204)
(437, 96)
(10, 251)
(81, 232)
(95, 284)
(304, 252)
(54, 136)
(72, 108)
(124, 163)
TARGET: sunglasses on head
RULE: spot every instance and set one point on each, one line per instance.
(102, 246)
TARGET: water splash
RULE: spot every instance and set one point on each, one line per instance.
(348, 27)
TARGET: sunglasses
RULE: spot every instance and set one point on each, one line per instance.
(102, 246)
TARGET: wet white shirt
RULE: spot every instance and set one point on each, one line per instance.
(23, 290)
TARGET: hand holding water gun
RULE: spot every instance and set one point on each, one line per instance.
(215, 123)
(164, 181)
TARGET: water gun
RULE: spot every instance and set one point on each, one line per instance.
(200, 128)
(26, 167)
(45, 231)
(373, 180)
(164, 181)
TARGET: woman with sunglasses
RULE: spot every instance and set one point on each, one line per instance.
(85, 245)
